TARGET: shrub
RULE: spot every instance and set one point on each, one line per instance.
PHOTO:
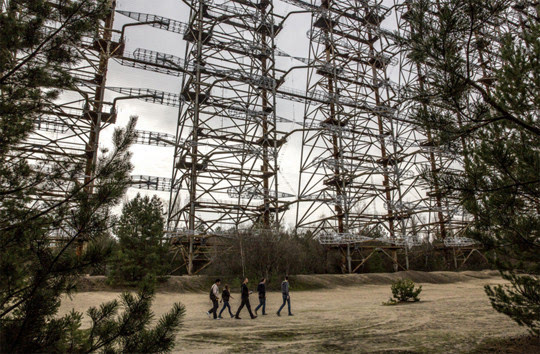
(403, 290)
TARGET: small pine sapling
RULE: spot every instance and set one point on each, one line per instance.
(402, 291)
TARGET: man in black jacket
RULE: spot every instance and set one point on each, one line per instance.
(245, 300)
(261, 289)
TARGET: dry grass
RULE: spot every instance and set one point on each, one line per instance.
(451, 317)
(513, 345)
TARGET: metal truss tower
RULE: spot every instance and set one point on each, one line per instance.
(355, 150)
(236, 140)
(69, 128)
(447, 218)
(441, 211)
(446, 221)
(225, 160)
(362, 160)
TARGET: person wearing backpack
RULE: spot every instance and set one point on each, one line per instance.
(261, 289)
(245, 300)
(225, 297)
(214, 296)
(286, 296)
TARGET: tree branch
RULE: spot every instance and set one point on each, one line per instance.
(505, 114)
(41, 45)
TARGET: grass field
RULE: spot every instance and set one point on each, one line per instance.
(451, 317)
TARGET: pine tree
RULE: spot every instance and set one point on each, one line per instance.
(34, 273)
(478, 93)
(141, 250)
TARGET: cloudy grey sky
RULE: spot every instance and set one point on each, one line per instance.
(157, 161)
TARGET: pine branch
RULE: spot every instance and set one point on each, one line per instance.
(41, 45)
(505, 114)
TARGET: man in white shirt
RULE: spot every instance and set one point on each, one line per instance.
(214, 296)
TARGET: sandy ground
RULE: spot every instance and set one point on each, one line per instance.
(449, 318)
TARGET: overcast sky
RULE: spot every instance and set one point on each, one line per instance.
(157, 161)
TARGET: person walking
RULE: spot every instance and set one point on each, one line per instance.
(286, 296)
(261, 289)
(214, 296)
(245, 300)
(225, 297)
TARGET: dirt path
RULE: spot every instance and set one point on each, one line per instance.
(450, 318)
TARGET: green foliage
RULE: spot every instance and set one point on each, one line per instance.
(520, 301)
(141, 250)
(116, 327)
(127, 331)
(402, 291)
(488, 113)
(34, 60)
(35, 272)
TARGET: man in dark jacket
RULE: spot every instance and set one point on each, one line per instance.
(286, 296)
(245, 300)
(261, 289)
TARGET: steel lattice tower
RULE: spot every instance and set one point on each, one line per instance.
(431, 157)
(225, 172)
(362, 160)
(353, 154)
(446, 220)
(69, 128)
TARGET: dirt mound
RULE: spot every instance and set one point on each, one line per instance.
(337, 280)
(180, 284)
(177, 284)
